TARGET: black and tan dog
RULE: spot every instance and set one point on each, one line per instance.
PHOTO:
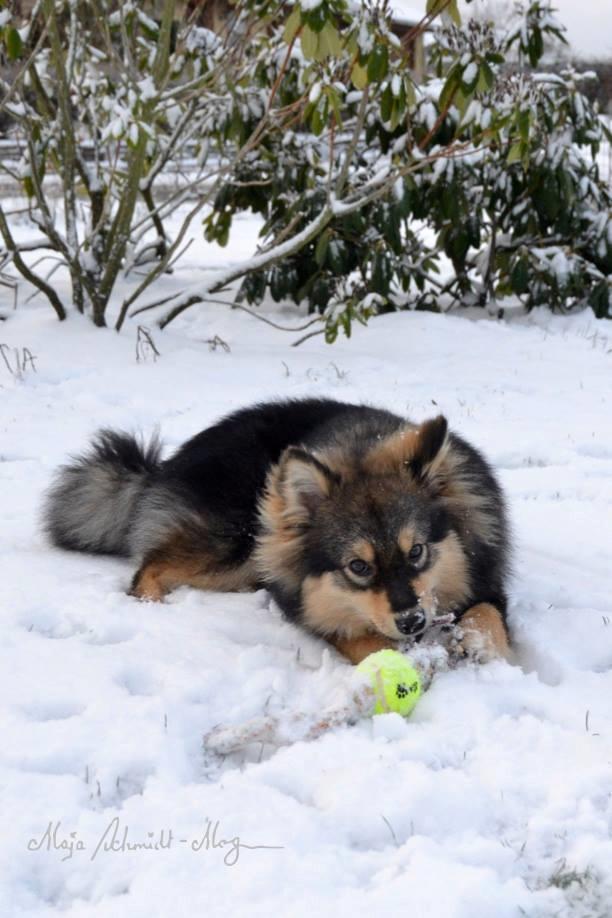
(363, 526)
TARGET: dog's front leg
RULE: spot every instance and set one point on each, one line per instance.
(357, 649)
(484, 634)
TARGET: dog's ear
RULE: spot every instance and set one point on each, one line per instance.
(306, 482)
(431, 437)
(412, 449)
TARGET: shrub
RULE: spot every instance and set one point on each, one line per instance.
(368, 185)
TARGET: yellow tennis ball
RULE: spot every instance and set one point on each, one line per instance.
(395, 681)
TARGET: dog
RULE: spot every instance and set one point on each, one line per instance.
(365, 527)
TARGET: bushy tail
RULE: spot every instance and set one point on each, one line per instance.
(91, 505)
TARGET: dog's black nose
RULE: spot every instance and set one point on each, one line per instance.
(410, 622)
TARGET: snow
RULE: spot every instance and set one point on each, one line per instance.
(493, 799)
(314, 93)
(147, 89)
(470, 72)
(407, 13)
(401, 12)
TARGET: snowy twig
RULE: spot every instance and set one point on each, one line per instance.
(26, 271)
(377, 187)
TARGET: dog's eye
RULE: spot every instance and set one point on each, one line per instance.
(360, 568)
(416, 552)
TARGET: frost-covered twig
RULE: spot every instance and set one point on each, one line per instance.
(355, 201)
(352, 146)
(26, 272)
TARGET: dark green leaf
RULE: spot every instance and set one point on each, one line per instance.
(453, 81)
(14, 44)
(293, 23)
(310, 42)
(321, 247)
(519, 278)
(378, 64)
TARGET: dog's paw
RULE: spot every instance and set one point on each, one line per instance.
(470, 644)
(481, 635)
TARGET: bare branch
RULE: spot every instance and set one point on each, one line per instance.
(25, 270)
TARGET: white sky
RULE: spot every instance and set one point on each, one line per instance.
(589, 25)
(588, 22)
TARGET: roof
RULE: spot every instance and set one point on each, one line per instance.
(402, 13)
(407, 13)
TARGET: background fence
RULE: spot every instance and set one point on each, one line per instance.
(604, 161)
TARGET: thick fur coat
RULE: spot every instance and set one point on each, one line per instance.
(364, 526)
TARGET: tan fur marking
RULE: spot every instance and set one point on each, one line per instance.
(448, 478)
(147, 585)
(336, 459)
(406, 538)
(363, 550)
(357, 649)
(177, 566)
(330, 608)
(484, 633)
(377, 608)
(300, 480)
(280, 543)
(393, 452)
(445, 583)
(445, 476)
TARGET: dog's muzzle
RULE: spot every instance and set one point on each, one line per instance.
(412, 622)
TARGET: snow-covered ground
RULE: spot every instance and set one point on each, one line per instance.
(494, 800)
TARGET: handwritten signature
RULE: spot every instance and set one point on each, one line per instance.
(117, 838)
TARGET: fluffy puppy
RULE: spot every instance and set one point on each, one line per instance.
(364, 526)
